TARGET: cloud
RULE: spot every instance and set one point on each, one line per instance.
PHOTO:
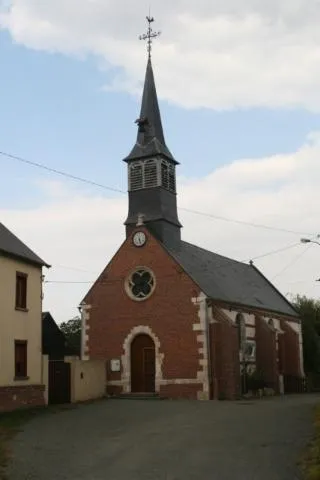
(78, 231)
(212, 54)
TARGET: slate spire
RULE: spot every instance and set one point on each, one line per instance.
(150, 138)
(150, 112)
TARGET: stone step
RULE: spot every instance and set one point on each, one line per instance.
(139, 396)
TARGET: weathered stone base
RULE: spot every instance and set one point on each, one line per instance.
(114, 390)
(24, 396)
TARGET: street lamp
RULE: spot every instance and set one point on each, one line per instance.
(308, 240)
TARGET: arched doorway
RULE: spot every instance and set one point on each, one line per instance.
(143, 365)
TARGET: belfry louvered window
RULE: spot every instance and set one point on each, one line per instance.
(150, 174)
(164, 174)
(136, 177)
(172, 179)
(168, 177)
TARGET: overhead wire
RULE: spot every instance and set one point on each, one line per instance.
(218, 267)
(118, 190)
(60, 172)
(292, 262)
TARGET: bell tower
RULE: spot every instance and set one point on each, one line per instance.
(151, 166)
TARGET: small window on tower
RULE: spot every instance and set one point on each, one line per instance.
(150, 174)
(136, 177)
(164, 174)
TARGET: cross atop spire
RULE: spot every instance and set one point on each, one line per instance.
(150, 35)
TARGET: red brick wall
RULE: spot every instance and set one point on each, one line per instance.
(289, 351)
(15, 397)
(169, 312)
(266, 354)
(225, 358)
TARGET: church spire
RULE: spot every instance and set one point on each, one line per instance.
(150, 138)
(151, 166)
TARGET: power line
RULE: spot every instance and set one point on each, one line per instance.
(105, 187)
(242, 222)
(59, 172)
(62, 281)
(294, 260)
(76, 269)
(276, 251)
(273, 252)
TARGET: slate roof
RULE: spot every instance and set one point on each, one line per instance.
(230, 281)
(54, 342)
(11, 245)
(150, 140)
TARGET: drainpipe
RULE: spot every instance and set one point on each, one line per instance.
(209, 350)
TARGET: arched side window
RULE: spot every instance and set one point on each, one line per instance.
(271, 323)
(241, 324)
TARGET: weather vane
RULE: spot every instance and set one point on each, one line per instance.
(150, 35)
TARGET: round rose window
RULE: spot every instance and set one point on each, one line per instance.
(140, 284)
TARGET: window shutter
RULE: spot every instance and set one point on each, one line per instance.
(136, 177)
(150, 174)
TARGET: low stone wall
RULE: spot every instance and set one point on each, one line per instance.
(22, 396)
(88, 379)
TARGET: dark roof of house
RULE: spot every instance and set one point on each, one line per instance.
(54, 342)
(150, 138)
(230, 281)
(13, 247)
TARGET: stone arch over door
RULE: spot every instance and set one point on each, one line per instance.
(126, 357)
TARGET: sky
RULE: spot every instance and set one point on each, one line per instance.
(238, 85)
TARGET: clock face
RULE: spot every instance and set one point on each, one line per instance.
(139, 239)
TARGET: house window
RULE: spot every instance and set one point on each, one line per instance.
(20, 358)
(21, 290)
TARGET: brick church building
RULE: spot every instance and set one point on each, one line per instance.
(172, 318)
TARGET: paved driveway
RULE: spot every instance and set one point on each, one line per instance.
(166, 440)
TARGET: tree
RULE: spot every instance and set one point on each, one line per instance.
(72, 332)
(309, 310)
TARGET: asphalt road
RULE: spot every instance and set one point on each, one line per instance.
(166, 440)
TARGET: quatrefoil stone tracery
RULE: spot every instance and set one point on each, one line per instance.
(140, 284)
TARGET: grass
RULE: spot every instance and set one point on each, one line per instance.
(310, 463)
(12, 422)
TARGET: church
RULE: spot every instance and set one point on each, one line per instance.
(170, 318)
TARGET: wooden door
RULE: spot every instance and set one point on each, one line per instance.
(142, 365)
(59, 382)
